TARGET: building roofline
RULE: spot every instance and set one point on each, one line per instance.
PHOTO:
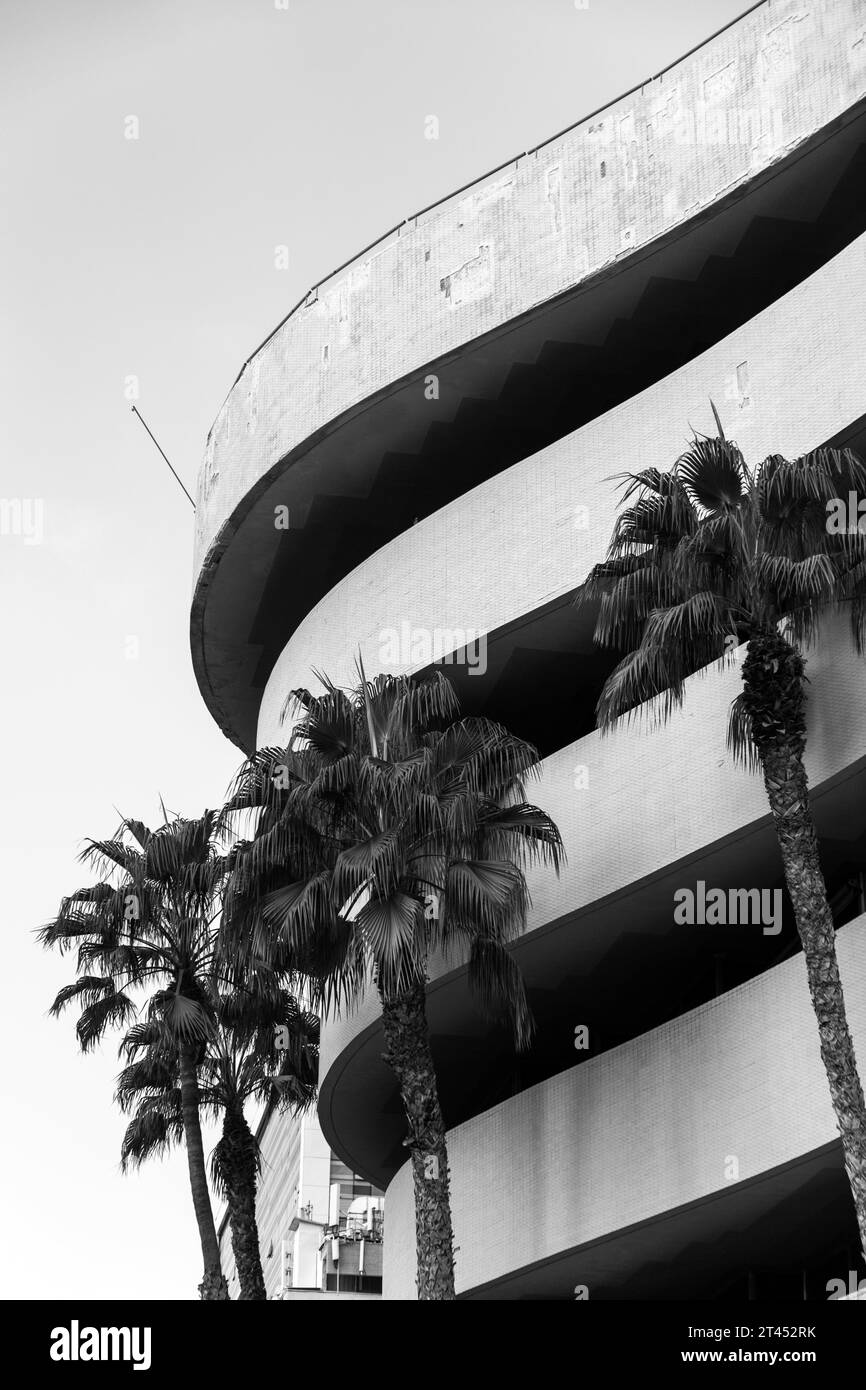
(446, 197)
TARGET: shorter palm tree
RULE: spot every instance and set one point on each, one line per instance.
(264, 1049)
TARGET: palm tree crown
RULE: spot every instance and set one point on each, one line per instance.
(711, 554)
(149, 927)
(387, 830)
(263, 1049)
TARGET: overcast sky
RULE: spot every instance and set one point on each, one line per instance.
(154, 258)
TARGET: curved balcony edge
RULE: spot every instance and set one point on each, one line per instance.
(429, 575)
(606, 901)
(477, 267)
(605, 1174)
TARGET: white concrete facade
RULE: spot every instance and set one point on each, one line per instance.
(718, 1118)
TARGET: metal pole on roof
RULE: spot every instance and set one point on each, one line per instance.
(162, 451)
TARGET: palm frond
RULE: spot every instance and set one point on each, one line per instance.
(497, 984)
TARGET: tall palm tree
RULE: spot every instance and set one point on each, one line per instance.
(264, 1048)
(148, 928)
(388, 829)
(711, 555)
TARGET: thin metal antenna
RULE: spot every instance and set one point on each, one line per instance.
(162, 451)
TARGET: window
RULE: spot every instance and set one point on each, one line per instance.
(354, 1283)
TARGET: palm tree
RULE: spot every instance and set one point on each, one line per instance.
(149, 926)
(388, 829)
(242, 1066)
(711, 555)
(264, 1048)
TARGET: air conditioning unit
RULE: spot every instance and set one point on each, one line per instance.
(373, 1216)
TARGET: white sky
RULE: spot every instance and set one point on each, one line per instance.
(258, 127)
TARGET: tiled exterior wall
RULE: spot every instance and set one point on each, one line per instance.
(614, 183)
(554, 218)
(640, 776)
(518, 540)
(632, 1134)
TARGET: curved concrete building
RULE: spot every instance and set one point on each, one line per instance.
(418, 463)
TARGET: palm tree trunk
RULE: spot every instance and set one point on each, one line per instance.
(773, 676)
(410, 1058)
(238, 1165)
(213, 1285)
